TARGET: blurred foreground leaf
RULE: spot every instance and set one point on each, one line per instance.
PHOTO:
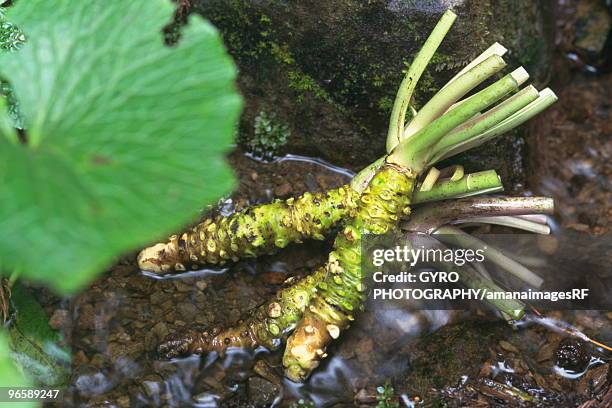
(125, 138)
(10, 376)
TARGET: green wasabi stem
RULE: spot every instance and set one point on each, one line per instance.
(486, 121)
(341, 294)
(455, 236)
(361, 179)
(459, 144)
(473, 280)
(513, 222)
(417, 151)
(494, 49)
(430, 179)
(483, 182)
(408, 85)
(267, 326)
(454, 91)
(515, 309)
(455, 171)
(311, 216)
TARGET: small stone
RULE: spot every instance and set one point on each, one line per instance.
(115, 350)
(262, 392)
(545, 353)
(123, 401)
(187, 311)
(283, 190)
(201, 319)
(97, 360)
(572, 355)
(182, 286)
(59, 319)
(273, 278)
(157, 297)
(155, 335)
(86, 317)
(507, 346)
(152, 388)
(167, 305)
(79, 358)
(201, 285)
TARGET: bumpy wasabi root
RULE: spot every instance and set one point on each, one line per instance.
(267, 326)
(341, 293)
(311, 216)
(255, 231)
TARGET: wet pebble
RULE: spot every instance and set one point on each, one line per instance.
(201, 284)
(182, 287)
(90, 381)
(507, 346)
(261, 391)
(283, 190)
(155, 335)
(79, 358)
(123, 401)
(157, 297)
(187, 311)
(97, 360)
(59, 319)
(572, 355)
(152, 386)
(546, 352)
(86, 317)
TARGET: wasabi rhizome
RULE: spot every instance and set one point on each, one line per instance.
(309, 314)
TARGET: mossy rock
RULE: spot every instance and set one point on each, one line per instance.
(330, 68)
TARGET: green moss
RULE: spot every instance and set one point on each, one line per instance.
(264, 19)
(385, 395)
(302, 403)
(304, 83)
(385, 104)
(269, 136)
(281, 53)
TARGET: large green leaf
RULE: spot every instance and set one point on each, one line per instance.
(125, 137)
